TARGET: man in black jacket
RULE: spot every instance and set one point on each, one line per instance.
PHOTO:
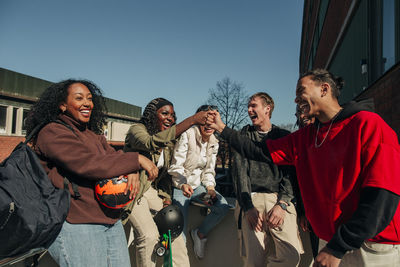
(265, 213)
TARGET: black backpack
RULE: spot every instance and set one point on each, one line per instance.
(32, 210)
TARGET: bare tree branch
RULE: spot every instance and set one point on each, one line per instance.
(231, 99)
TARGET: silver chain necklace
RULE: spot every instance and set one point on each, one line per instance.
(326, 135)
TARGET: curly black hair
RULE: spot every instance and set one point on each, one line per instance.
(47, 108)
(149, 117)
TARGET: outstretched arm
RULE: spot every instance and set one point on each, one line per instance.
(199, 118)
(242, 144)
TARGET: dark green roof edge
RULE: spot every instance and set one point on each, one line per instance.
(121, 108)
(14, 83)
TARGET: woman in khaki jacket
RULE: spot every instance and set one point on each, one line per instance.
(154, 137)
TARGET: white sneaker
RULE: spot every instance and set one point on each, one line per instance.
(198, 244)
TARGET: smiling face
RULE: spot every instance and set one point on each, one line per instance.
(303, 120)
(206, 132)
(166, 117)
(79, 103)
(308, 96)
(258, 112)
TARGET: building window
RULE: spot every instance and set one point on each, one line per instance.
(14, 121)
(384, 37)
(310, 62)
(388, 34)
(24, 116)
(3, 119)
(323, 7)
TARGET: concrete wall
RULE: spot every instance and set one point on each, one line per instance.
(118, 131)
(222, 249)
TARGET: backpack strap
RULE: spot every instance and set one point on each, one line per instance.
(66, 125)
(35, 131)
(74, 188)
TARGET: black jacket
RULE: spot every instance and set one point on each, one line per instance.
(256, 176)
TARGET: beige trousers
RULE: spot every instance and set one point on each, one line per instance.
(370, 254)
(147, 236)
(272, 247)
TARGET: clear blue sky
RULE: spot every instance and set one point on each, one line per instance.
(178, 49)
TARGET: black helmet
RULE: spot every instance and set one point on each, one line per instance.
(170, 218)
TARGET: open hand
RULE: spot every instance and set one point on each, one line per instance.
(254, 219)
(200, 118)
(304, 224)
(187, 190)
(133, 184)
(166, 202)
(275, 217)
(214, 121)
(325, 259)
(212, 193)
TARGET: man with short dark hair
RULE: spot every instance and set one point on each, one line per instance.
(266, 215)
(348, 172)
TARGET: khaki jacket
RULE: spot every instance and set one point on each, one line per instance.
(139, 140)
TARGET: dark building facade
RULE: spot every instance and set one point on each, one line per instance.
(358, 40)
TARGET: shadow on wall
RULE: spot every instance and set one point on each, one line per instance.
(222, 246)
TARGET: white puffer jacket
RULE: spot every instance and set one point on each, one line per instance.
(193, 161)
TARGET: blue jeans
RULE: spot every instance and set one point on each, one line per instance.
(100, 245)
(218, 210)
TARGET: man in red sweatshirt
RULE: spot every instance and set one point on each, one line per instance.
(348, 165)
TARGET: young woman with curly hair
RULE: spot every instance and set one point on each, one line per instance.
(74, 148)
(154, 136)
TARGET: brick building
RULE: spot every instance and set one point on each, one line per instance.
(358, 40)
(17, 94)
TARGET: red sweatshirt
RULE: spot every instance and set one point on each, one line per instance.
(359, 151)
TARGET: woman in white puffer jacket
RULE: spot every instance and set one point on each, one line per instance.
(193, 177)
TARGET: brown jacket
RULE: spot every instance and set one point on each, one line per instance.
(83, 157)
